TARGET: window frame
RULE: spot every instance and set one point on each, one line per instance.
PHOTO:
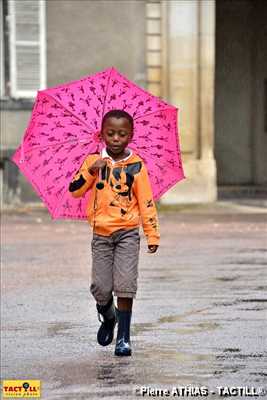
(12, 93)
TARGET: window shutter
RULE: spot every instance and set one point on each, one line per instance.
(27, 47)
(2, 72)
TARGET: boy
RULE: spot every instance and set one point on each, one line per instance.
(121, 195)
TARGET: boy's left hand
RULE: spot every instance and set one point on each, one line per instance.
(152, 248)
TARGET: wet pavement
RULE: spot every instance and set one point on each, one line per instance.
(199, 318)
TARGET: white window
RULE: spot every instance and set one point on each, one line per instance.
(27, 47)
(2, 73)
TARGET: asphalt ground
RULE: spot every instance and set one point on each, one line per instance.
(199, 318)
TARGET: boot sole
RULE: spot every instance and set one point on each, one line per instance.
(123, 354)
(104, 344)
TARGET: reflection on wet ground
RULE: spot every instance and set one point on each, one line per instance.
(199, 317)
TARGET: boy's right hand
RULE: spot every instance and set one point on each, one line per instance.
(152, 248)
(100, 163)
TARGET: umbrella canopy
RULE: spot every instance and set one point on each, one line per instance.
(65, 128)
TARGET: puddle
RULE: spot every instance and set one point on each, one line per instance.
(260, 250)
(253, 301)
(231, 350)
(190, 328)
(170, 319)
(239, 301)
(12, 328)
(181, 317)
(258, 373)
(202, 326)
(229, 369)
(60, 328)
(261, 288)
(240, 356)
(252, 309)
(225, 304)
(248, 261)
(138, 329)
(166, 354)
(227, 278)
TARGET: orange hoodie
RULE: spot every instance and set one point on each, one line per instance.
(122, 199)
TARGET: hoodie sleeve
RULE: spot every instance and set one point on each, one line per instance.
(82, 180)
(147, 206)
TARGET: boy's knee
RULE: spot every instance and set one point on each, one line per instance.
(101, 295)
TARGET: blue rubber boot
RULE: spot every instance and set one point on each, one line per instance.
(106, 331)
(123, 344)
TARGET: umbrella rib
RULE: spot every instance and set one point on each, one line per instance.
(53, 144)
(141, 89)
(156, 111)
(60, 202)
(63, 106)
(104, 105)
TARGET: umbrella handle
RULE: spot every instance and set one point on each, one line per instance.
(100, 185)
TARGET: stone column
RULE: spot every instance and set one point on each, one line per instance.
(188, 38)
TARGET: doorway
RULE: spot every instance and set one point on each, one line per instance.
(241, 92)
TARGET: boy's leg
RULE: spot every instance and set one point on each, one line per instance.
(125, 303)
(102, 268)
(125, 267)
(102, 285)
(125, 274)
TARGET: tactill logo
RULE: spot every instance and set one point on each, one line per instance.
(21, 388)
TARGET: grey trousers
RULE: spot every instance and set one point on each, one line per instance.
(115, 264)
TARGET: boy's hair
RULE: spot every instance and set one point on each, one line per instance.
(118, 114)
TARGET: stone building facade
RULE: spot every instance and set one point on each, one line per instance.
(207, 57)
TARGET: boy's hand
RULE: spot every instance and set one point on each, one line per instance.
(152, 248)
(100, 163)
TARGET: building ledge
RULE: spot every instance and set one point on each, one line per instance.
(242, 191)
(10, 104)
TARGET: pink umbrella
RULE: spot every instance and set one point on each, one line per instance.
(64, 128)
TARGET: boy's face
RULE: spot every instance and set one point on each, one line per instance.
(117, 133)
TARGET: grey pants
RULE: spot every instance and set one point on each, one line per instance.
(115, 264)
